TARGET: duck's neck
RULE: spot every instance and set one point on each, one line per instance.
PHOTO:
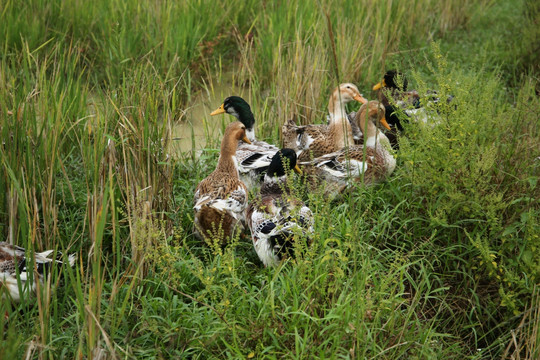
(274, 185)
(340, 133)
(336, 107)
(245, 116)
(227, 158)
(250, 134)
(339, 129)
(368, 128)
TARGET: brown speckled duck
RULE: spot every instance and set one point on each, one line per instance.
(374, 109)
(310, 141)
(369, 163)
(221, 198)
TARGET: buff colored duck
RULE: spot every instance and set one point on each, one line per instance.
(276, 218)
(221, 198)
(254, 158)
(374, 110)
(14, 262)
(310, 141)
(369, 163)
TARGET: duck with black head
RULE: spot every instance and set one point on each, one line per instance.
(402, 105)
(277, 219)
(254, 158)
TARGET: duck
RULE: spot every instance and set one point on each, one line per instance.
(276, 217)
(14, 261)
(255, 157)
(402, 104)
(369, 163)
(392, 89)
(221, 198)
(374, 108)
(311, 141)
(393, 95)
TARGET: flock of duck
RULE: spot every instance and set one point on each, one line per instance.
(349, 149)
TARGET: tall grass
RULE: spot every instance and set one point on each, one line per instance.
(438, 262)
(287, 53)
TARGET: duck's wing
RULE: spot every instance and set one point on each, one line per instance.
(301, 137)
(347, 162)
(14, 267)
(222, 192)
(273, 222)
(257, 155)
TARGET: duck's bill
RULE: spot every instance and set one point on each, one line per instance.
(219, 110)
(379, 85)
(385, 124)
(360, 98)
(297, 169)
(244, 139)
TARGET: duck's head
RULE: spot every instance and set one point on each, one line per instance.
(348, 92)
(376, 113)
(283, 160)
(237, 131)
(392, 80)
(240, 109)
(343, 94)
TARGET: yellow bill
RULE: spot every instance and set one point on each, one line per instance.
(379, 85)
(219, 110)
(297, 169)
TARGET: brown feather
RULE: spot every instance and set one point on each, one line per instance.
(223, 183)
(377, 161)
(317, 140)
(215, 224)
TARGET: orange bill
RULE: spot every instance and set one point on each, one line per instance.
(385, 124)
(244, 139)
(219, 110)
(360, 98)
(297, 169)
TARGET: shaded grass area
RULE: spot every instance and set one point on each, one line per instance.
(439, 261)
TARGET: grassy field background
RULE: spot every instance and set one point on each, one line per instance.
(440, 261)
